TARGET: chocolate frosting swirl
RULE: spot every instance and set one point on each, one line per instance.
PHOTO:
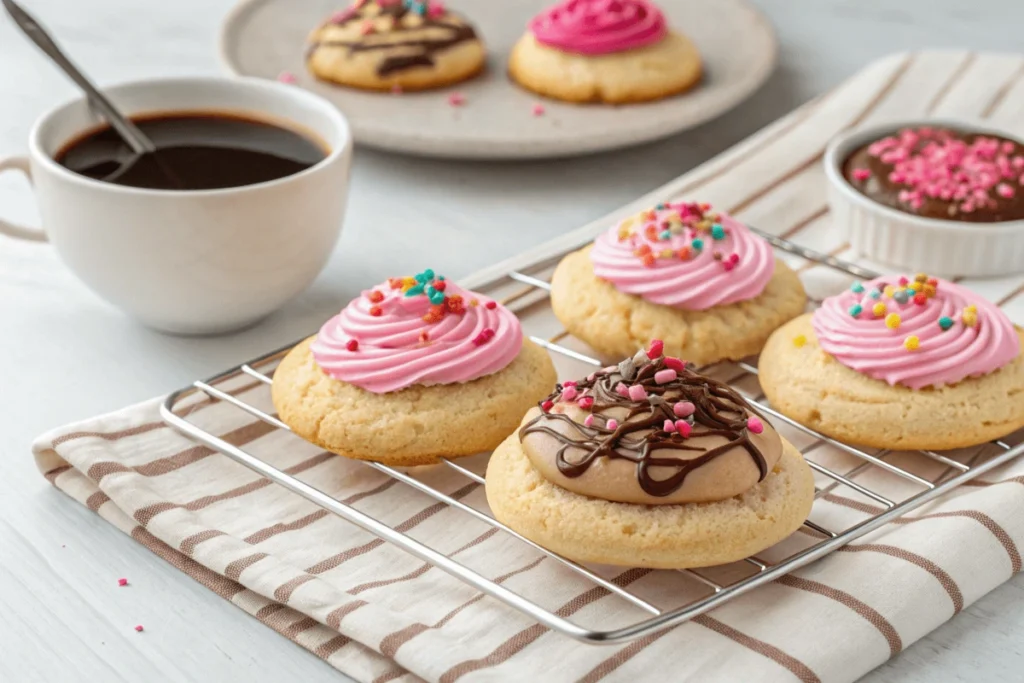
(412, 42)
(659, 419)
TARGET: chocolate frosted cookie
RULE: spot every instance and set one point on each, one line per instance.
(649, 464)
(395, 44)
(942, 173)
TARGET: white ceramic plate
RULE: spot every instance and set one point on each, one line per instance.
(266, 37)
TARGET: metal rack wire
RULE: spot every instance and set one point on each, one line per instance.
(715, 591)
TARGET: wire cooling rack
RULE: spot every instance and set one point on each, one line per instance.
(526, 291)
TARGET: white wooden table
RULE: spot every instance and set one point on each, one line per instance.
(65, 355)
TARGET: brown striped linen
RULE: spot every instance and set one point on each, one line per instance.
(378, 614)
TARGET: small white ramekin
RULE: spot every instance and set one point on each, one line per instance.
(902, 240)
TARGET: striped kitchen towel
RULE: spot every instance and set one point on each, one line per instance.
(378, 614)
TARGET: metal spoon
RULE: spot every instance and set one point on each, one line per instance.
(128, 131)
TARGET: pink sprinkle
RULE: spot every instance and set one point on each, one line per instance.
(728, 265)
(622, 390)
(612, 424)
(656, 348)
(1005, 191)
(569, 394)
(684, 409)
(569, 383)
(547, 405)
(435, 8)
(538, 109)
(861, 174)
(122, 582)
(669, 426)
(588, 421)
(755, 425)
(396, 89)
(637, 392)
(456, 99)
(674, 363)
(341, 16)
(287, 77)
(665, 376)
(139, 628)
(734, 257)
(684, 428)
(587, 402)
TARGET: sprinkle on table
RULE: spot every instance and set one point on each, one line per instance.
(122, 582)
(287, 77)
(538, 109)
(456, 99)
(139, 628)
(684, 409)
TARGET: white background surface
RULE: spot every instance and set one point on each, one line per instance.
(65, 355)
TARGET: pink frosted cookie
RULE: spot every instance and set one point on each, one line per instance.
(698, 279)
(614, 51)
(411, 371)
(900, 362)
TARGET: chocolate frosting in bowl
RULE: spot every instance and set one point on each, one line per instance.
(650, 431)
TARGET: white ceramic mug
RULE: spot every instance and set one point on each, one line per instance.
(192, 262)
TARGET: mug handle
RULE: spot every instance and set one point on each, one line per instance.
(13, 229)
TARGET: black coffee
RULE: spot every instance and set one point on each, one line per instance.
(194, 151)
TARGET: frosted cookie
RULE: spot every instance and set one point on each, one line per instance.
(649, 464)
(900, 363)
(413, 370)
(391, 44)
(613, 51)
(699, 280)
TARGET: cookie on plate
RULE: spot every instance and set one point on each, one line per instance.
(900, 362)
(649, 464)
(612, 51)
(699, 280)
(395, 44)
(413, 370)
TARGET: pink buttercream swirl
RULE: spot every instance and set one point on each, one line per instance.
(684, 256)
(956, 334)
(386, 340)
(595, 27)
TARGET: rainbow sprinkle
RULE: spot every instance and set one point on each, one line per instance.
(912, 343)
(799, 340)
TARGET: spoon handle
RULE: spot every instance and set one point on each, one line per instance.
(128, 131)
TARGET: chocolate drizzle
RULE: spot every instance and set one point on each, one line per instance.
(425, 48)
(639, 436)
